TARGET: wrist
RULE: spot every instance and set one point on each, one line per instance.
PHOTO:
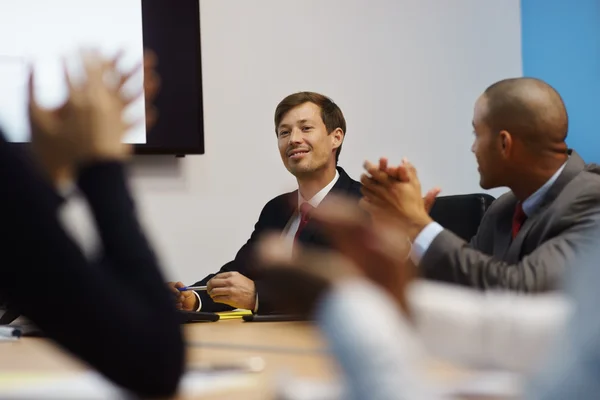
(416, 225)
(119, 152)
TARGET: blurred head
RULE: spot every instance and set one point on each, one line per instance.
(310, 130)
(517, 123)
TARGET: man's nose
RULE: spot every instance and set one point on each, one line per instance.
(296, 136)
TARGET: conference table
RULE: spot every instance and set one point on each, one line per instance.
(286, 350)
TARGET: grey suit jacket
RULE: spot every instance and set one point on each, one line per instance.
(554, 238)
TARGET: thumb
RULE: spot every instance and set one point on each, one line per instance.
(430, 197)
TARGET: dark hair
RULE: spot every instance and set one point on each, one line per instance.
(330, 113)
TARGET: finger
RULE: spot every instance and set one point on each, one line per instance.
(402, 173)
(430, 198)
(150, 59)
(131, 125)
(410, 170)
(125, 77)
(174, 290)
(111, 64)
(376, 174)
(151, 84)
(151, 117)
(220, 291)
(383, 164)
(129, 99)
(373, 198)
(374, 186)
(94, 67)
(218, 282)
(221, 299)
(73, 89)
(375, 210)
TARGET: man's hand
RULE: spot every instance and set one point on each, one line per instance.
(380, 251)
(186, 300)
(90, 124)
(398, 198)
(400, 174)
(234, 289)
(297, 282)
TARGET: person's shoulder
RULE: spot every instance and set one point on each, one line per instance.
(504, 200)
(281, 201)
(585, 184)
(591, 176)
(347, 184)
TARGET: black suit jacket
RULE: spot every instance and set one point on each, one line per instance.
(274, 218)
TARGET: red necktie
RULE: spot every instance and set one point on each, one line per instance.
(518, 218)
(305, 210)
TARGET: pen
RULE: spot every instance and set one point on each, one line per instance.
(186, 288)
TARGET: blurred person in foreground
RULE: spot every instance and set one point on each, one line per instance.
(378, 319)
(115, 314)
(310, 129)
(530, 236)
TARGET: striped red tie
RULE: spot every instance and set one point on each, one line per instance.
(305, 210)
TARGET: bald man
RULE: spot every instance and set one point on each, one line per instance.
(529, 236)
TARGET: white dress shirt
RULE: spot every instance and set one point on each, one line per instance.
(292, 226)
(294, 223)
(504, 330)
(430, 232)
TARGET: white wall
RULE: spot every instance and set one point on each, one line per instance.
(404, 72)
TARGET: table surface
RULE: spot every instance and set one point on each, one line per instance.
(292, 348)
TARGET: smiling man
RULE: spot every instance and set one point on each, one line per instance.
(310, 130)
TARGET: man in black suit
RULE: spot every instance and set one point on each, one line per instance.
(310, 130)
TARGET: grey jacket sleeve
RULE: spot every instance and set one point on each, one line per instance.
(543, 269)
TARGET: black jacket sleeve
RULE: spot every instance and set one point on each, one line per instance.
(119, 316)
(244, 264)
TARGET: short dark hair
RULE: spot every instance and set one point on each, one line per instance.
(330, 112)
(528, 107)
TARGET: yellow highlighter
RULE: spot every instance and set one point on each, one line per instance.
(235, 314)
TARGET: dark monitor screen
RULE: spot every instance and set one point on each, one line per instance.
(172, 30)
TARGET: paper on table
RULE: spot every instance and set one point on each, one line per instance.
(92, 386)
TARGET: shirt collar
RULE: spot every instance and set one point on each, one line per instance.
(318, 198)
(533, 201)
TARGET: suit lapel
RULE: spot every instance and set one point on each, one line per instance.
(574, 166)
(503, 231)
(286, 212)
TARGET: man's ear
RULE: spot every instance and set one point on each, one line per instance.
(337, 137)
(506, 142)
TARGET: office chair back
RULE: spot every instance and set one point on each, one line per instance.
(461, 214)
